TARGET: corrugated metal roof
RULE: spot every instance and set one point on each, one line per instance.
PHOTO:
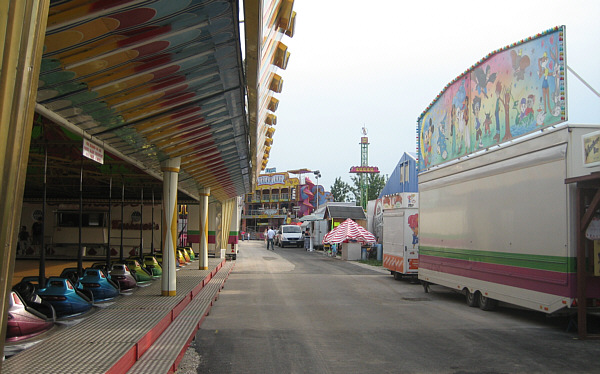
(353, 212)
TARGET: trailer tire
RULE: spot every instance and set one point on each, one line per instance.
(397, 276)
(485, 303)
(472, 298)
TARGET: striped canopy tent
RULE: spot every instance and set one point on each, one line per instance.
(349, 230)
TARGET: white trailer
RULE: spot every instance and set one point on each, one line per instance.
(501, 225)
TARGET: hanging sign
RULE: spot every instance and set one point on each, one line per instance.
(93, 151)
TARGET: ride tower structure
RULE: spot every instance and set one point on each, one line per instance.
(364, 169)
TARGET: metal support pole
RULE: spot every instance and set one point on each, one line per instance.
(80, 251)
(152, 238)
(141, 225)
(109, 221)
(42, 274)
(122, 217)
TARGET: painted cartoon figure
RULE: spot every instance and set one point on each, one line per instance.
(478, 131)
(486, 124)
(427, 135)
(413, 223)
(544, 72)
(520, 62)
(498, 92)
(505, 98)
(463, 130)
(541, 115)
(441, 141)
(482, 78)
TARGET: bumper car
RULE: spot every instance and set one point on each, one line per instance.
(66, 299)
(152, 265)
(97, 282)
(24, 321)
(179, 257)
(190, 253)
(139, 273)
(186, 255)
(120, 273)
(158, 257)
(102, 266)
(71, 274)
(28, 286)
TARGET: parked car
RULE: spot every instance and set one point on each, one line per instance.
(290, 235)
(66, 299)
(120, 273)
(24, 321)
(97, 282)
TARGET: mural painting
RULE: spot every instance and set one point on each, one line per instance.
(511, 92)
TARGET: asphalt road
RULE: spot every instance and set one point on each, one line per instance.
(292, 311)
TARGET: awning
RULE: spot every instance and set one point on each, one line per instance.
(349, 230)
(152, 80)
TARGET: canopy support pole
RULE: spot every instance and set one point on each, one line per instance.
(170, 170)
(203, 263)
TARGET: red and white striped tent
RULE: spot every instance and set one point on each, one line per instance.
(349, 230)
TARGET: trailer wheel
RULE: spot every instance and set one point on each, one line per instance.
(472, 298)
(485, 303)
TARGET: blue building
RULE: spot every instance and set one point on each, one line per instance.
(404, 178)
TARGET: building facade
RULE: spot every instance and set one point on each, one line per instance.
(275, 201)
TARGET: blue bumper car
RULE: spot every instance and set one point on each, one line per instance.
(97, 282)
(66, 299)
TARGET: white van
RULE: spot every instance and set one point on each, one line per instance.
(289, 234)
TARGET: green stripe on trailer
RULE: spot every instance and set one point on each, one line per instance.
(551, 263)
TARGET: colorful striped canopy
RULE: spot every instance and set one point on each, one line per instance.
(349, 230)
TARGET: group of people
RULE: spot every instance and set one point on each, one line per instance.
(24, 240)
(245, 235)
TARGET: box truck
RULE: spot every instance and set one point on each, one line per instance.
(397, 225)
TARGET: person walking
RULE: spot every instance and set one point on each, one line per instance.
(270, 237)
(307, 239)
(38, 231)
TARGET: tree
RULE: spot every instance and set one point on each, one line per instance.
(340, 190)
(375, 183)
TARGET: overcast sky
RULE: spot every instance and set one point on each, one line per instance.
(380, 64)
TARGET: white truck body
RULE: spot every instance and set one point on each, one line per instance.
(502, 222)
(400, 249)
(320, 228)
